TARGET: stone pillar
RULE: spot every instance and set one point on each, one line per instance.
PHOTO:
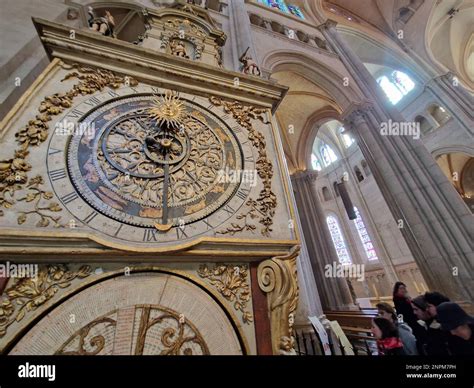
(436, 224)
(334, 292)
(241, 31)
(309, 303)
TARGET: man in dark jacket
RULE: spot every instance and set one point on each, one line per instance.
(433, 300)
(461, 325)
(431, 340)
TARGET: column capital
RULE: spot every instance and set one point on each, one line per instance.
(306, 176)
(356, 113)
(328, 25)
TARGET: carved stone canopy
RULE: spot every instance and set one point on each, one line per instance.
(152, 65)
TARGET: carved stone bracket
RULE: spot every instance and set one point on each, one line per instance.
(278, 278)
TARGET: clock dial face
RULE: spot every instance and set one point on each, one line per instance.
(132, 175)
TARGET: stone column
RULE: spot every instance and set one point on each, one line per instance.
(436, 224)
(309, 303)
(241, 30)
(334, 292)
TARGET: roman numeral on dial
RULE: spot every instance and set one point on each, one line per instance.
(67, 199)
(150, 235)
(243, 193)
(90, 217)
(57, 175)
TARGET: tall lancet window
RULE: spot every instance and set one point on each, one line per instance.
(338, 240)
(396, 85)
(328, 155)
(364, 237)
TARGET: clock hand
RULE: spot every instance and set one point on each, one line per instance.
(165, 144)
(165, 191)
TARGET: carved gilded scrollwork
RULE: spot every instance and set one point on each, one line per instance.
(231, 282)
(158, 330)
(13, 172)
(28, 294)
(278, 278)
(89, 346)
(267, 200)
(178, 337)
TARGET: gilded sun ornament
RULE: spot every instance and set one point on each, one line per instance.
(168, 110)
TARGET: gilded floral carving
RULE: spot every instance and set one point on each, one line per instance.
(13, 171)
(267, 200)
(28, 294)
(231, 282)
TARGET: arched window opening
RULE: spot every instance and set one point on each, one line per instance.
(338, 240)
(328, 155)
(439, 114)
(326, 194)
(346, 138)
(425, 125)
(336, 189)
(358, 173)
(404, 14)
(315, 163)
(364, 237)
(396, 85)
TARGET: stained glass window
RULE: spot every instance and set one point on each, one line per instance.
(364, 237)
(295, 10)
(328, 155)
(396, 85)
(315, 163)
(277, 4)
(338, 240)
(282, 6)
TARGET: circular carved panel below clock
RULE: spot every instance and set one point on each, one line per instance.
(150, 166)
(141, 314)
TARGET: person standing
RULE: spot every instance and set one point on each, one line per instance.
(402, 304)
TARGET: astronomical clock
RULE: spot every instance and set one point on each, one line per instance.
(145, 185)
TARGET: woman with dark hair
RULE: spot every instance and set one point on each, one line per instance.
(404, 331)
(402, 303)
(388, 341)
